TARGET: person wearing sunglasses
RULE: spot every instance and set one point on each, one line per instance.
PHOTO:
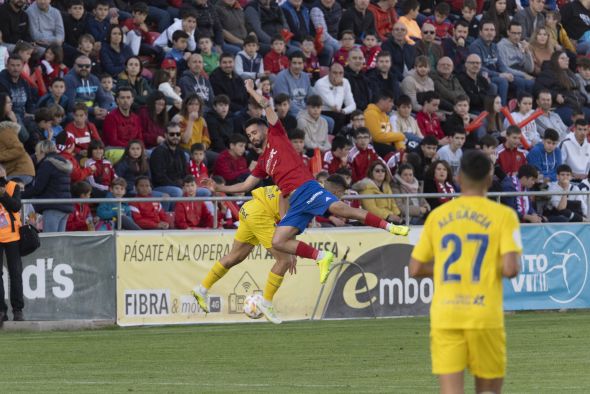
(84, 87)
(428, 46)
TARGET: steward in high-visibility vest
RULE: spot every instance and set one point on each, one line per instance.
(9, 228)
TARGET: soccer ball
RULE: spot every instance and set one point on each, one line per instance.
(251, 306)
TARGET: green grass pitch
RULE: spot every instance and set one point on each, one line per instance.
(547, 353)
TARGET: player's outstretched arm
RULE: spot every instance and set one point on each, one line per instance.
(420, 269)
(242, 187)
(510, 264)
(271, 115)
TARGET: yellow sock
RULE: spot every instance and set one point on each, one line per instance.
(272, 285)
(215, 273)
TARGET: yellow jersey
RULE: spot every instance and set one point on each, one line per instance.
(269, 197)
(466, 238)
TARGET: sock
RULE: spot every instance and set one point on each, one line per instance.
(306, 251)
(375, 221)
(215, 273)
(272, 285)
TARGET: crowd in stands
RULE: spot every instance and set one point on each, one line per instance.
(113, 98)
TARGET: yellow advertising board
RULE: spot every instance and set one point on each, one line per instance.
(157, 270)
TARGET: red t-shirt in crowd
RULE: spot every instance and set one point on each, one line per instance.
(281, 162)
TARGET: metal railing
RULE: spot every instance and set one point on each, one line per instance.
(405, 197)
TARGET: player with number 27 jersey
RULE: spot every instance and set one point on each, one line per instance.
(466, 238)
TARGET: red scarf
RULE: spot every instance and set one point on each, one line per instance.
(445, 188)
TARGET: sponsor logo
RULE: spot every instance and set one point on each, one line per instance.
(147, 302)
(45, 278)
(246, 286)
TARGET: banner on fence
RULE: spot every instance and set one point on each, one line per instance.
(69, 277)
(157, 270)
(554, 269)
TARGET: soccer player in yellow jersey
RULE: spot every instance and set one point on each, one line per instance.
(468, 244)
(258, 218)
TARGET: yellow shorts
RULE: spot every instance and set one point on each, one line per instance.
(256, 226)
(483, 351)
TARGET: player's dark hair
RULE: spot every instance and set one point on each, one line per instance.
(476, 165)
(337, 180)
(256, 121)
(551, 134)
(345, 171)
(527, 171)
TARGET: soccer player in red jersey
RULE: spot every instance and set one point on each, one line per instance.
(307, 198)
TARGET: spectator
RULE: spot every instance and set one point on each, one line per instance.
(459, 119)
(14, 23)
(82, 130)
(294, 82)
(446, 83)
(427, 154)
(522, 181)
(575, 150)
(122, 125)
(403, 55)
(6, 113)
(440, 21)
(475, 85)
(418, 82)
(455, 47)
(383, 77)
(210, 57)
(56, 95)
(336, 95)
(516, 53)
(298, 20)
(231, 163)
(337, 156)
(114, 53)
(283, 109)
(546, 156)
(275, 60)
(314, 125)
(510, 156)
(297, 138)
(192, 81)
(168, 164)
(385, 138)
(100, 23)
(359, 83)
(45, 24)
(557, 33)
(52, 65)
(542, 47)
(208, 24)
(165, 81)
(402, 121)
(357, 120)
(75, 22)
(493, 123)
(225, 80)
(137, 34)
(81, 219)
(14, 159)
(220, 125)
(500, 16)
(267, 20)
(362, 154)
(549, 119)
(346, 44)
(249, 64)
(439, 179)
(427, 46)
(453, 152)
(254, 110)
(191, 214)
(576, 21)
(410, 11)
(569, 208)
(84, 87)
(326, 14)
(371, 49)
(11, 82)
(148, 215)
(583, 77)
(531, 17)
(428, 120)
(186, 24)
(233, 24)
(66, 144)
(132, 77)
(404, 182)
(358, 19)
(133, 164)
(104, 172)
(191, 122)
(196, 164)
(10, 206)
(154, 118)
(108, 212)
(378, 181)
(525, 109)
(385, 16)
(52, 180)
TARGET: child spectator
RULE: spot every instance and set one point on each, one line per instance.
(510, 156)
(163, 82)
(136, 32)
(75, 23)
(105, 173)
(428, 120)
(468, 13)
(558, 33)
(522, 181)
(282, 107)
(337, 156)
(265, 90)
(347, 40)
(314, 125)
(249, 63)
(39, 129)
(231, 163)
(56, 95)
(452, 152)
(439, 179)
(357, 120)
(546, 156)
(210, 57)
(108, 212)
(83, 130)
(187, 23)
(57, 116)
(99, 24)
(403, 121)
(196, 164)
(459, 119)
(106, 82)
(411, 9)
(362, 154)
(81, 219)
(525, 109)
(583, 76)
(371, 49)
(565, 207)
(178, 53)
(65, 143)
(52, 65)
(444, 28)
(148, 215)
(275, 60)
(221, 126)
(228, 212)
(133, 164)
(191, 214)
(297, 138)
(311, 63)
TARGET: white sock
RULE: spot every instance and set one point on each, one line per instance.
(320, 255)
(202, 291)
(389, 226)
(266, 302)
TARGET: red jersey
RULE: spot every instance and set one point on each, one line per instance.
(510, 160)
(77, 219)
(333, 163)
(83, 135)
(341, 56)
(199, 171)
(360, 160)
(274, 63)
(430, 125)
(370, 56)
(104, 174)
(281, 162)
(148, 214)
(192, 214)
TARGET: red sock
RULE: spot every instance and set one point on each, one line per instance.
(375, 221)
(306, 251)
